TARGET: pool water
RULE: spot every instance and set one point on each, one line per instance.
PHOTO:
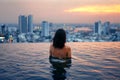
(30, 61)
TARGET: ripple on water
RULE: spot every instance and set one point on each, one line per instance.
(92, 61)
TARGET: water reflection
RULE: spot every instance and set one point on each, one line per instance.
(59, 68)
(90, 61)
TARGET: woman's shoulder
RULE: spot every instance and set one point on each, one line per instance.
(67, 47)
(51, 45)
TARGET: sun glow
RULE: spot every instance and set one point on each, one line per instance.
(97, 9)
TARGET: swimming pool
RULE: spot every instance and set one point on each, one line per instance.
(30, 61)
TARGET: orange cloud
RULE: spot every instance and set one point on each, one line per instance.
(97, 9)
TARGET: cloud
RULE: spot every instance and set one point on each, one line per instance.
(96, 9)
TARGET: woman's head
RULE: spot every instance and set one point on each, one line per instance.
(59, 38)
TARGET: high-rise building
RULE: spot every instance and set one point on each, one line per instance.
(30, 23)
(50, 24)
(45, 29)
(25, 24)
(98, 28)
(3, 29)
(106, 29)
(23, 27)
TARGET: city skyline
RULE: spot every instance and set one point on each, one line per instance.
(63, 11)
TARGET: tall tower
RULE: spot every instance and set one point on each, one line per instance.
(25, 24)
(98, 28)
(30, 23)
(23, 27)
(3, 29)
(45, 29)
(106, 29)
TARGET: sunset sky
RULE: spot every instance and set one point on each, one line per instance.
(61, 11)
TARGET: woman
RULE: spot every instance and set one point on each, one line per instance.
(58, 49)
(60, 55)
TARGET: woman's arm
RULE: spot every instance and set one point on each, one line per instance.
(50, 50)
(69, 52)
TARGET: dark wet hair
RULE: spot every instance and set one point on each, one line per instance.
(59, 38)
